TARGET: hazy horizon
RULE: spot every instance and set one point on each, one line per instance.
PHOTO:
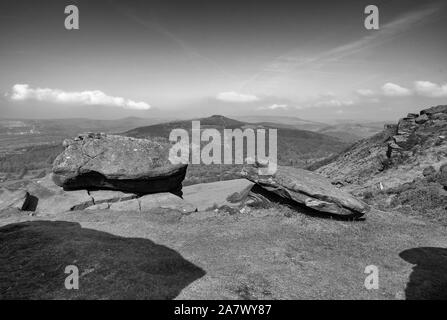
(183, 59)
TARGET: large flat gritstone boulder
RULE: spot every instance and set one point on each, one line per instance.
(216, 194)
(308, 189)
(163, 200)
(52, 200)
(101, 161)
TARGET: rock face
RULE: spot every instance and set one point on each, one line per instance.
(101, 161)
(308, 189)
(407, 148)
(409, 156)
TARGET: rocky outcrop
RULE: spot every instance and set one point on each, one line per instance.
(307, 189)
(409, 156)
(101, 161)
(397, 155)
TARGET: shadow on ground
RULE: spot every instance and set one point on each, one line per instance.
(429, 277)
(34, 254)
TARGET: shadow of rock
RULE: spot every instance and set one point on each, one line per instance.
(34, 254)
(428, 281)
(31, 203)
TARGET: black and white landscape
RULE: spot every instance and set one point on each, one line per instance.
(92, 205)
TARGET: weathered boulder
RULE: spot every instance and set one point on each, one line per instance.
(429, 172)
(308, 189)
(406, 126)
(421, 119)
(101, 161)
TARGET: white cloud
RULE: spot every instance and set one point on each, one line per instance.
(334, 103)
(94, 97)
(365, 92)
(430, 89)
(394, 90)
(233, 96)
(274, 107)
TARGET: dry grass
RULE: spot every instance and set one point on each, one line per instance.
(258, 254)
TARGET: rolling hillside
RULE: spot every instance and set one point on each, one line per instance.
(295, 147)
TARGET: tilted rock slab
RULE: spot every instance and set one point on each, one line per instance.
(101, 161)
(308, 189)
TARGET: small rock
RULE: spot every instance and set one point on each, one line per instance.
(429, 171)
(412, 115)
(421, 119)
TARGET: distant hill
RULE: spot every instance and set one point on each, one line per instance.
(23, 133)
(352, 131)
(348, 131)
(293, 144)
(33, 144)
(284, 122)
(295, 147)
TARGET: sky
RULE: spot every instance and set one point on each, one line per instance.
(309, 59)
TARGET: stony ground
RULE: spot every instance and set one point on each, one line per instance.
(259, 254)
